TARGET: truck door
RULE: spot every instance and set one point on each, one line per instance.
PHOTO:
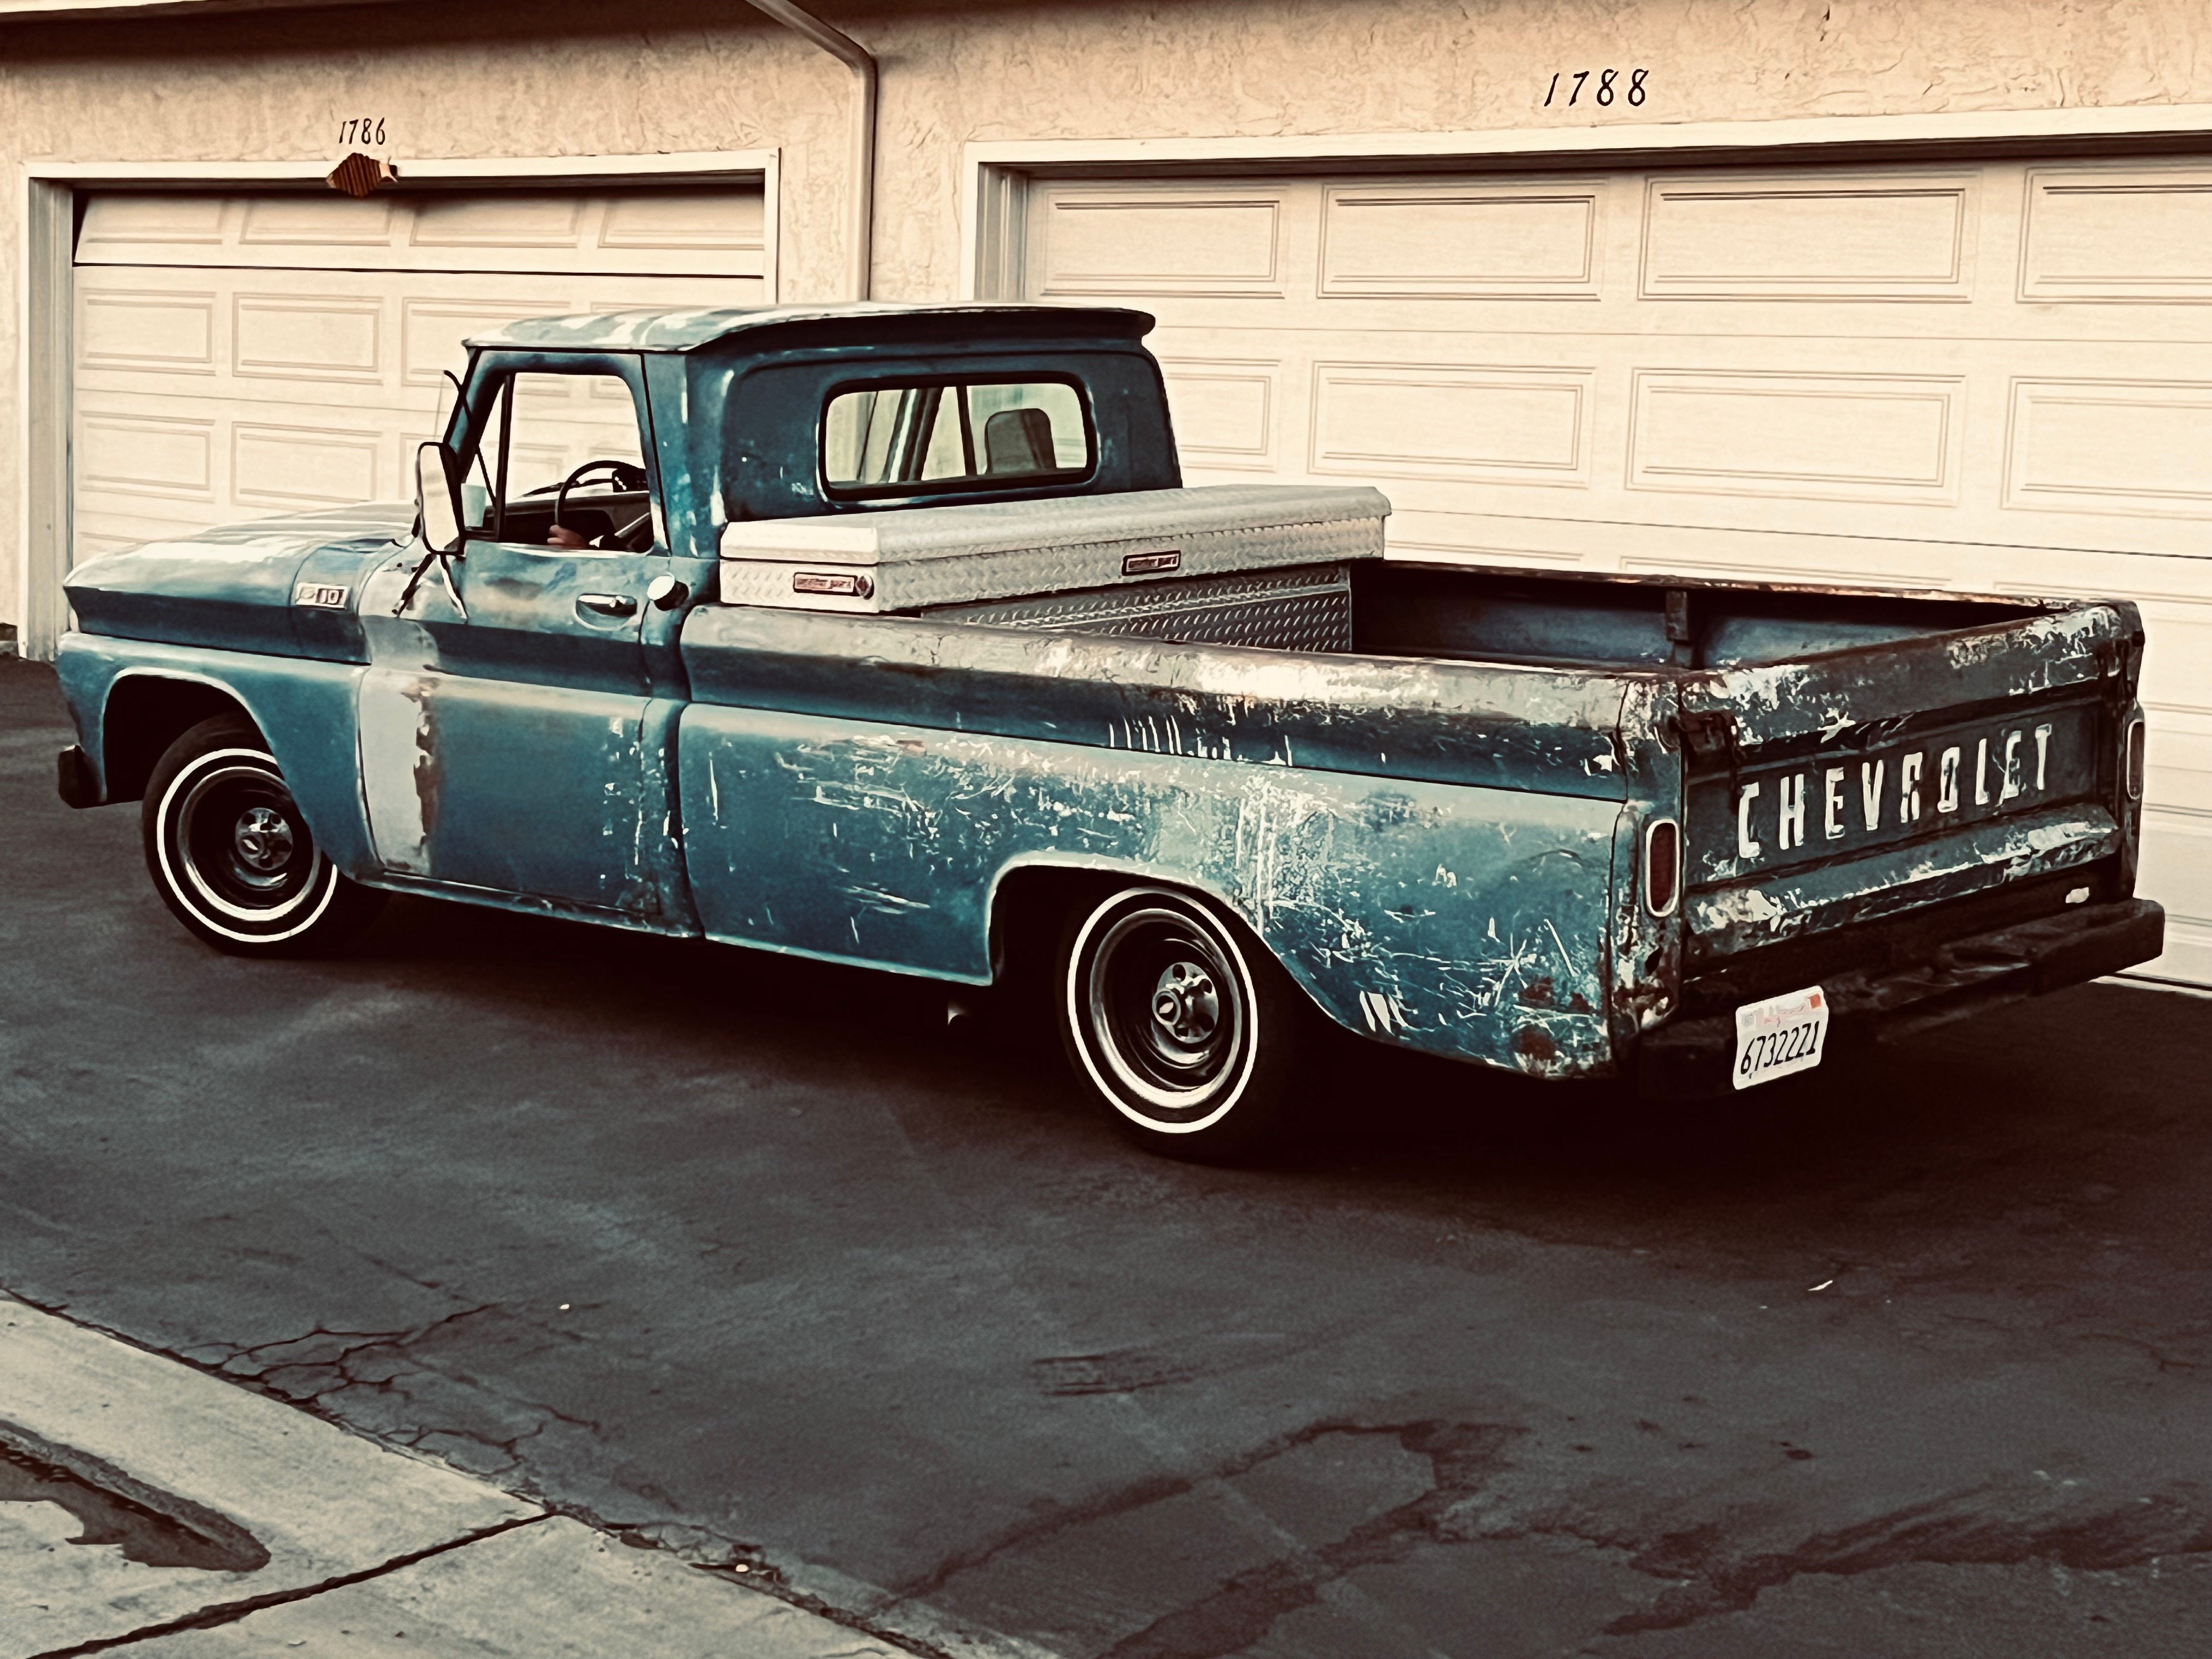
(512, 740)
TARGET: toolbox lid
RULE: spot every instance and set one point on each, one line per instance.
(909, 557)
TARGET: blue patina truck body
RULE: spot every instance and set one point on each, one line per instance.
(1440, 823)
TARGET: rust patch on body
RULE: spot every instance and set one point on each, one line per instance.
(430, 765)
(1533, 1044)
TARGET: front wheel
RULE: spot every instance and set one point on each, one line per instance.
(231, 854)
(1181, 1023)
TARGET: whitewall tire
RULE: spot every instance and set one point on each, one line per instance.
(1180, 1022)
(231, 853)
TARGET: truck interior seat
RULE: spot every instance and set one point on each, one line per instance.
(1018, 440)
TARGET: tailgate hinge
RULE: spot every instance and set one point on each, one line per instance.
(1707, 733)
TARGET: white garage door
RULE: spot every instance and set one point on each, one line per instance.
(239, 356)
(1995, 377)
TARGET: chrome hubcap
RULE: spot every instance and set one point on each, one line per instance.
(1185, 1003)
(1160, 1009)
(263, 840)
(234, 843)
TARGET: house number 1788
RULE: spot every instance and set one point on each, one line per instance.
(1611, 86)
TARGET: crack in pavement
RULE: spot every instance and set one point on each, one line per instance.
(342, 1352)
(1714, 1567)
(1462, 1456)
(333, 1371)
(228, 1612)
(1985, 1526)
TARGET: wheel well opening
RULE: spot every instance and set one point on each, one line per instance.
(145, 714)
(1031, 910)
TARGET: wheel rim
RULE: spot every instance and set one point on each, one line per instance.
(1163, 1006)
(235, 851)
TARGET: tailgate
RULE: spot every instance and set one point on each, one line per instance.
(1867, 782)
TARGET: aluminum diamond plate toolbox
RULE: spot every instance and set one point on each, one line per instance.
(1306, 608)
(910, 558)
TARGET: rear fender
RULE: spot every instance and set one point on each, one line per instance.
(1460, 921)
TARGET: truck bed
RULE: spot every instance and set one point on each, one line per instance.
(1467, 613)
(1296, 738)
(1470, 614)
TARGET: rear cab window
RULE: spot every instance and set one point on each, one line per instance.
(908, 438)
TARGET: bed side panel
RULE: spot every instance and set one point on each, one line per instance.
(1460, 921)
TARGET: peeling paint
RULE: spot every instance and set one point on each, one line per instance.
(895, 838)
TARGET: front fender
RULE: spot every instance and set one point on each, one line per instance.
(304, 707)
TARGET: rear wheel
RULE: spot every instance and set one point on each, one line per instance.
(1180, 1022)
(231, 854)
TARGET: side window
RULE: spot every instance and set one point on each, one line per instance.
(908, 439)
(550, 428)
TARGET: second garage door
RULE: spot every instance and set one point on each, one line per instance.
(1986, 376)
(243, 355)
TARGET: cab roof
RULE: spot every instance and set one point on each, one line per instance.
(688, 329)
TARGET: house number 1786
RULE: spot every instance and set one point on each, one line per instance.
(1611, 86)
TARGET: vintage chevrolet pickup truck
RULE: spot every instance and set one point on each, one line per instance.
(891, 635)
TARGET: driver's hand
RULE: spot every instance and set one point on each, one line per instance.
(561, 536)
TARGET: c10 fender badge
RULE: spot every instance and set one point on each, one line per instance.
(1145, 564)
(809, 581)
(322, 596)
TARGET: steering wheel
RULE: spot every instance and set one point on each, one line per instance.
(624, 477)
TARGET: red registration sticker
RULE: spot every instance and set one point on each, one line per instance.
(1779, 1037)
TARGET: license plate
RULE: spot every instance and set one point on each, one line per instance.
(1780, 1035)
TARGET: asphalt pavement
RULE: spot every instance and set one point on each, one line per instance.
(756, 1261)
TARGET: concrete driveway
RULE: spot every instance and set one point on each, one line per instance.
(753, 1258)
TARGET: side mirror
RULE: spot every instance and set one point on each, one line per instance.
(438, 498)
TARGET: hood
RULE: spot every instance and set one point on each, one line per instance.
(237, 586)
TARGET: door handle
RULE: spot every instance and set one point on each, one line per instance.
(607, 605)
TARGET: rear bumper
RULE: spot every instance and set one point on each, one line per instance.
(1692, 1059)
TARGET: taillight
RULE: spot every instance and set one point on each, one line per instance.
(1662, 866)
(2131, 768)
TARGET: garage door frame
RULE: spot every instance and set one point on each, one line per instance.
(47, 220)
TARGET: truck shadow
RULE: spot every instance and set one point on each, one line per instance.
(2098, 1087)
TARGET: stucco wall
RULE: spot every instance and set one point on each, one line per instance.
(550, 79)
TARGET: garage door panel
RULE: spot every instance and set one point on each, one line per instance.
(687, 223)
(284, 467)
(1882, 236)
(2104, 445)
(151, 229)
(2117, 235)
(2178, 660)
(2177, 868)
(2180, 761)
(172, 457)
(720, 231)
(1477, 422)
(1224, 410)
(1462, 242)
(155, 329)
(1219, 242)
(1805, 437)
(322, 337)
